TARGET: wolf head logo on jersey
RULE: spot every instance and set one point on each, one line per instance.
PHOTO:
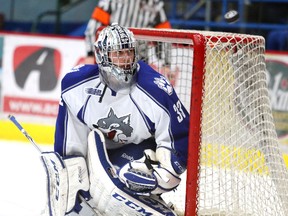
(116, 129)
(164, 84)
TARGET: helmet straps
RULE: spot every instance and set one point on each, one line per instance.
(102, 95)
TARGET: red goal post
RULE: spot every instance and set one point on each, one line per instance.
(235, 166)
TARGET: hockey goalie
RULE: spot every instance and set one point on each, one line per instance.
(121, 135)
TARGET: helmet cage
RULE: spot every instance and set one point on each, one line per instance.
(116, 39)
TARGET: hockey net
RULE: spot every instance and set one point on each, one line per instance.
(235, 166)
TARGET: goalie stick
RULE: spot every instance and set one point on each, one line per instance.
(24, 132)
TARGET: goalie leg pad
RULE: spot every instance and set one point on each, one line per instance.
(57, 181)
(65, 178)
(109, 194)
(78, 179)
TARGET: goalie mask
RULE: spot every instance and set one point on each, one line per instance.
(116, 55)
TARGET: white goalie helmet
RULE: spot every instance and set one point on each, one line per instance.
(116, 55)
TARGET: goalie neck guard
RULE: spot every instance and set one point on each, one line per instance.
(116, 55)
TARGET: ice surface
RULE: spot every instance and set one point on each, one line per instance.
(22, 179)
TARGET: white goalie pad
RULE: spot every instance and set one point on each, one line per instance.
(109, 194)
(65, 178)
(57, 184)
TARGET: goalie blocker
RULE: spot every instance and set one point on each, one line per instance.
(109, 196)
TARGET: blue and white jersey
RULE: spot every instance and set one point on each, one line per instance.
(150, 109)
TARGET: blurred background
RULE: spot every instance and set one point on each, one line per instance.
(70, 17)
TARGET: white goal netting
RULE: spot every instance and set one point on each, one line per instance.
(240, 167)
